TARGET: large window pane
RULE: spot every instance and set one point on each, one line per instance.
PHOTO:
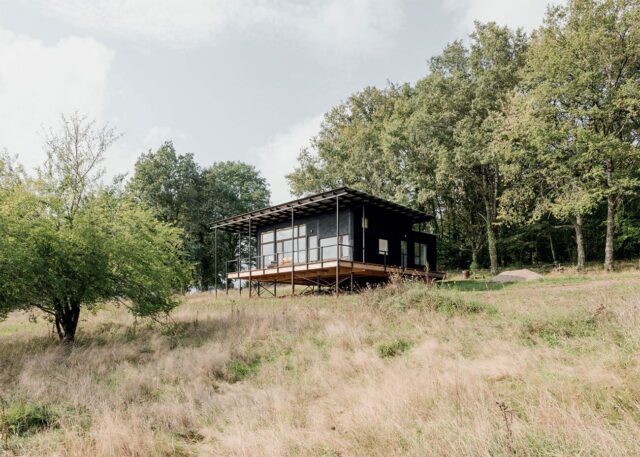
(283, 234)
(328, 248)
(345, 247)
(420, 253)
(267, 248)
(313, 248)
(267, 237)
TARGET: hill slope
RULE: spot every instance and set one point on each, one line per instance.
(548, 368)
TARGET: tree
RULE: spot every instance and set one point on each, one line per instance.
(352, 150)
(583, 65)
(180, 192)
(463, 104)
(547, 172)
(66, 244)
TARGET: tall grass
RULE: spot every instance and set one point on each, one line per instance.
(407, 370)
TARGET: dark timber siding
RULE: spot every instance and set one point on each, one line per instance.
(381, 224)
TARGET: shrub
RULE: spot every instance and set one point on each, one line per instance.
(394, 348)
(242, 367)
(24, 418)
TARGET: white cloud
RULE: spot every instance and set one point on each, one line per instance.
(278, 157)
(527, 14)
(352, 26)
(39, 82)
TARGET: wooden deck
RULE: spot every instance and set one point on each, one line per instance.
(310, 273)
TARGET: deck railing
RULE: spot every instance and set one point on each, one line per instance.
(286, 259)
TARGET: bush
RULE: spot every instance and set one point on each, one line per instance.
(24, 418)
(242, 367)
(393, 348)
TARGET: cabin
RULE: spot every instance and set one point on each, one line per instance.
(343, 239)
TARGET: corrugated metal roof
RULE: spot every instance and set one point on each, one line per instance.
(313, 204)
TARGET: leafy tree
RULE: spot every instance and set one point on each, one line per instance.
(583, 66)
(465, 98)
(67, 245)
(352, 148)
(180, 192)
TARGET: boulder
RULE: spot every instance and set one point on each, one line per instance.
(516, 276)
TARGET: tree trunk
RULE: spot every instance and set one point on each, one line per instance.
(474, 257)
(493, 250)
(553, 251)
(577, 224)
(66, 321)
(611, 225)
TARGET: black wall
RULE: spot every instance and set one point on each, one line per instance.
(381, 224)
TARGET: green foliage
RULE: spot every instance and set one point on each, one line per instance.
(21, 418)
(555, 331)
(407, 296)
(182, 193)
(393, 348)
(67, 244)
(516, 144)
(242, 367)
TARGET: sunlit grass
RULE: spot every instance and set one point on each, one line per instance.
(407, 370)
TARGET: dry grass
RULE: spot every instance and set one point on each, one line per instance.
(549, 369)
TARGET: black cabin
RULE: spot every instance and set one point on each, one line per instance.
(338, 238)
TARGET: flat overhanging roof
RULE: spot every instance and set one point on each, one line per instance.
(314, 204)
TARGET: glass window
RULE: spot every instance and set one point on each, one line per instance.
(302, 230)
(267, 237)
(383, 246)
(328, 248)
(267, 249)
(420, 254)
(345, 247)
(283, 234)
(313, 248)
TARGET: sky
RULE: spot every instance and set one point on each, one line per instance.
(241, 80)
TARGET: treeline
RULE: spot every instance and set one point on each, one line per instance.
(525, 148)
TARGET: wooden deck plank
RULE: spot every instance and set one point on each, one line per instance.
(303, 273)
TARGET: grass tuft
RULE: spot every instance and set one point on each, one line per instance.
(21, 419)
(393, 348)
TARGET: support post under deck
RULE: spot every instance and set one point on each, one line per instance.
(293, 253)
(337, 245)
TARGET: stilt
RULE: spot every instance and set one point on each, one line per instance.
(294, 241)
(337, 245)
(215, 260)
(249, 243)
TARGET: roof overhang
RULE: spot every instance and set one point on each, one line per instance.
(311, 205)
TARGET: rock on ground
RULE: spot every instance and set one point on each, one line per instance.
(517, 275)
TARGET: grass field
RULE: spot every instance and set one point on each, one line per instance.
(468, 368)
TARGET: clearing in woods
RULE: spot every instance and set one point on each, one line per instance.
(468, 368)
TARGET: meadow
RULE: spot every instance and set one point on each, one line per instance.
(472, 368)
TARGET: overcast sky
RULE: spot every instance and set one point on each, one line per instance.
(224, 79)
